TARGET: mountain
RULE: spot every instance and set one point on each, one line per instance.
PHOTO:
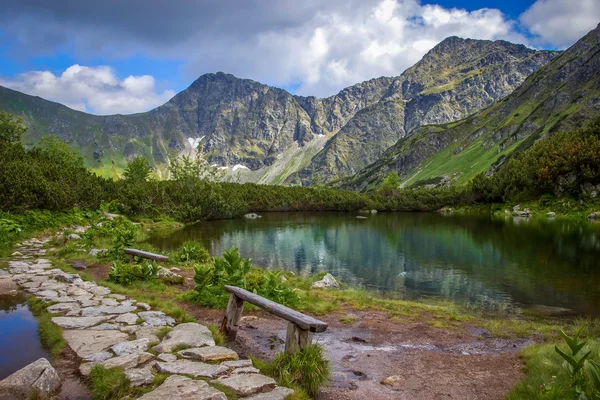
(267, 135)
(561, 95)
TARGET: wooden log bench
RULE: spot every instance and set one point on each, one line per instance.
(300, 327)
(144, 254)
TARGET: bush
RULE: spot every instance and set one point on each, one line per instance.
(126, 274)
(192, 252)
(232, 269)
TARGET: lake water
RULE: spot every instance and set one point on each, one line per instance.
(19, 341)
(481, 261)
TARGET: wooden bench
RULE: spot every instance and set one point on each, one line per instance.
(144, 254)
(300, 327)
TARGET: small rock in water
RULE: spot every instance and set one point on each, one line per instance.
(360, 217)
(252, 216)
(327, 282)
(551, 214)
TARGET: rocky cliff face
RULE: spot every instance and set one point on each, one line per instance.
(281, 138)
(455, 79)
(561, 95)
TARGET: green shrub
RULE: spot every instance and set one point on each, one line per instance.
(191, 252)
(125, 274)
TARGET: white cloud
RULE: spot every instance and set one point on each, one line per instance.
(92, 89)
(561, 22)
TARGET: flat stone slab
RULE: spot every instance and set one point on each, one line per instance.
(106, 310)
(209, 353)
(140, 376)
(237, 364)
(147, 333)
(156, 318)
(247, 384)
(62, 307)
(167, 357)
(246, 370)
(190, 334)
(177, 387)
(130, 347)
(127, 318)
(125, 362)
(89, 341)
(106, 327)
(38, 376)
(192, 368)
(98, 357)
(78, 322)
(279, 393)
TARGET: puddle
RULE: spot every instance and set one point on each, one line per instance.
(19, 341)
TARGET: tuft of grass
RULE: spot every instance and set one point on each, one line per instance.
(180, 347)
(50, 334)
(162, 332)
(305, 371)
(218, 337)
(108, 384)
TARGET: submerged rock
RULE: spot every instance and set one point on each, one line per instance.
(328, 282)
(38, 378)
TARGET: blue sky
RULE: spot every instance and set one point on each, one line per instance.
(125, 57)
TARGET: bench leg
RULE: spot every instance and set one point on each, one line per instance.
(297, 338)
(233, 314)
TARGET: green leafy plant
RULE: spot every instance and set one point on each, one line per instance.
(192, 252)
(233, 268)
(573, 363)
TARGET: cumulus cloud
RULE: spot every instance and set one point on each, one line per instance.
(318, 46)
(92, 89)
(561, 22)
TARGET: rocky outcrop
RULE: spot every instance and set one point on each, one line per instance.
(36, 379)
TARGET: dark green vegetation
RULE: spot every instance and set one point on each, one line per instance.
(245, 122)
(50, 334)
(560, 96)
(232, 269)
(570, 370)
(108, 384)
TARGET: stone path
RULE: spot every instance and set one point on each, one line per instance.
(114, 331)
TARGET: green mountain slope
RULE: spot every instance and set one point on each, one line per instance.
(561, 95)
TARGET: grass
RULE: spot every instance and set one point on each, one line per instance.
(218, 337)
(162, 332)
(108, 384)
(50, 334)
(545, 378)
(304, 372)
(347, 320)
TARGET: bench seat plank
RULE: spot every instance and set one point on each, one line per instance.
(303, 321)
(145, 254)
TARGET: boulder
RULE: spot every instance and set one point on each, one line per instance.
(190, 334)
(328, 282)
(168, 276)
(247, 384)
(594, 215)
(96, 252)
(38, 378)
(177, 387)
(191, 368)
(551, 214)
(209, 353)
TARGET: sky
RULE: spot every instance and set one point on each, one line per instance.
(115, 56)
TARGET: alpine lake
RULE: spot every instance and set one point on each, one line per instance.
(506, 265)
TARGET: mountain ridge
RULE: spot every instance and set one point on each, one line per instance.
(271, 132)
